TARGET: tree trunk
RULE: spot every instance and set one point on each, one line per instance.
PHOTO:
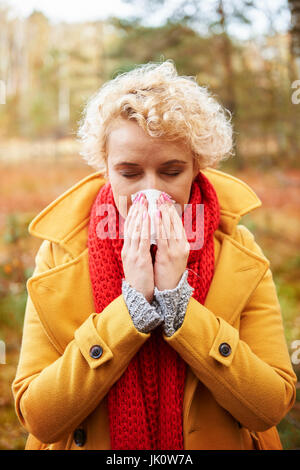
(227, 52)
(294, 6)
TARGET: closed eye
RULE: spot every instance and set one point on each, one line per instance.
(167, 174)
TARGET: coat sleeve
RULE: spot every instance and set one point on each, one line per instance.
(256, 382)
(54, 393)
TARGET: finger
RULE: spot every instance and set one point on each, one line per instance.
(166, 222)
(129, 227)
(129, 216)
(145, 232)
(136, 233)
(161, 234)
(132, 219)
(137, 223)
(177, 224)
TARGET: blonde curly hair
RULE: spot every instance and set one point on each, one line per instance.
(164, 105)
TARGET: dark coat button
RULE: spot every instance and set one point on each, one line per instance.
(79, 437)
(225, 349)
(96, 351)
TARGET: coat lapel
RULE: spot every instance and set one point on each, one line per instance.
(63, 299)
(237, 273)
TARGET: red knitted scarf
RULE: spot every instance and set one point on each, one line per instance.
(145, 405)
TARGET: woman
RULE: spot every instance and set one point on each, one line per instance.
(132, 345)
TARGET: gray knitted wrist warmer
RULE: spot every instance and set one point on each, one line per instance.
(144, 316)
(168, 306)
(172, 304)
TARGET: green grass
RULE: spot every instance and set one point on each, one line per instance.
(289, 435)
(12, 308)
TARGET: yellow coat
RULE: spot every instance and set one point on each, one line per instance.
(232, 402)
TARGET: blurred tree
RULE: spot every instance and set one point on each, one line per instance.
(295, 30)
(172, 40)
(52, 69)
(250, 77)
(211, 21)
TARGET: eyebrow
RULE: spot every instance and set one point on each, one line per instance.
(169, 162)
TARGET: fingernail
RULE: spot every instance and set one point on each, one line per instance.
(166, 197)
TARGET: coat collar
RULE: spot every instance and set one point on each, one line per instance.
(65, 220)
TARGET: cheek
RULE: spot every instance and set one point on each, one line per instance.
(180, 201)
(182, 194)
(122, 200)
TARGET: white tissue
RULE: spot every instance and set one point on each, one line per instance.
(152, 195)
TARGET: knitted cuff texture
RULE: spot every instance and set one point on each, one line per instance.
(167, 308)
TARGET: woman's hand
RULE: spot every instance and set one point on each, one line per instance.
(173, 247)
(136, 255)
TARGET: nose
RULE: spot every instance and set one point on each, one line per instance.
(151, 182)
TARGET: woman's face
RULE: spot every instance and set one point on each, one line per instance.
(136, 161)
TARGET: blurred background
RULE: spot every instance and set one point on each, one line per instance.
(54, 55)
